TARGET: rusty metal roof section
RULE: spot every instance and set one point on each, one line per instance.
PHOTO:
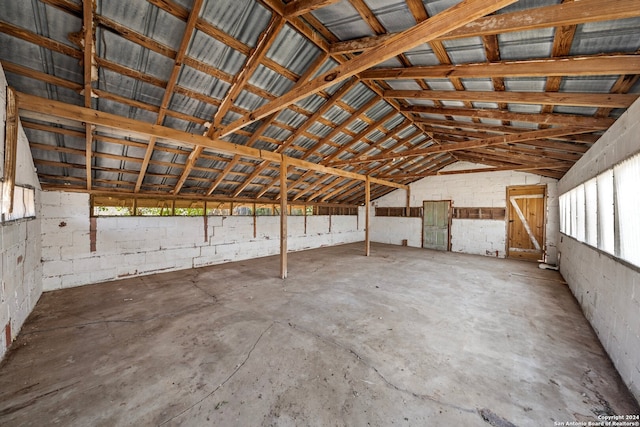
(392, 89)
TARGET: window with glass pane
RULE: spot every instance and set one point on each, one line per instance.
(627, 194)
(591, 210)
(606, 227)
(580, 214)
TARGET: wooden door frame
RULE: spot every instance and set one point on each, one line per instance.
(544, 212)
(449, 222)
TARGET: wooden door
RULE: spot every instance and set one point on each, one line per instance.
(436, 220)
(526, 222)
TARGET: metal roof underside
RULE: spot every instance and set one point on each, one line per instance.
(530, 67)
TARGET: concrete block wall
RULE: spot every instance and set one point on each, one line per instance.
(608, 290)
(20, 249)
(132, 246)
(482, 237)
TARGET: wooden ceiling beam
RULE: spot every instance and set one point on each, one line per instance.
(466, 145)
(477, 170)
(456, 16)
(483, 130)
(540, 118)
(574, 13)
(572, 66)
(301, 7)
(544, 98)
(47, 109)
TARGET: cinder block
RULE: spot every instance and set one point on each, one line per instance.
(57, 268)
(104, 275)
(73, 280)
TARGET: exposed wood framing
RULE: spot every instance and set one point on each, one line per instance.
(545, 98)
(466, 145)
(548, 118)
(367, 216)
(10, 148)
(573, 66)
(170, 85)
(90, 74)
(440, 24)
(301, 7)
(46, 109)
(283, 218)
(574, 13)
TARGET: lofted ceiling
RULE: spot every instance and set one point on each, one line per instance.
(205, 98)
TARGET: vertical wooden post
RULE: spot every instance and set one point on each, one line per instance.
(283, 218)
(408, 209)
(367, 219)
(10, 149)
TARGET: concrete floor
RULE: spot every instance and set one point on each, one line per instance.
(404, 337)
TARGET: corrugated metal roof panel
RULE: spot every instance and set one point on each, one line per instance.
(422, 56)
(437, 6)
(243, 20)
(525, 108)
(357, 126)
(249, 101)
(530, 84)
(291, 118)
(586, 111)
(464, 51)
(485, 105)
(343, 20)
(358, 96)
(270, 81)
(293, 51)
(597, 84)
(526, 44)
(336, 115)
(215, 53)
(404, 85)
(440, 84)
(622, 35)
(394, 15)
(379, 110)
(203, 83)
(477, 84)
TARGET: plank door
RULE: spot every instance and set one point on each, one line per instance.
(526, 221)
(436, 220)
